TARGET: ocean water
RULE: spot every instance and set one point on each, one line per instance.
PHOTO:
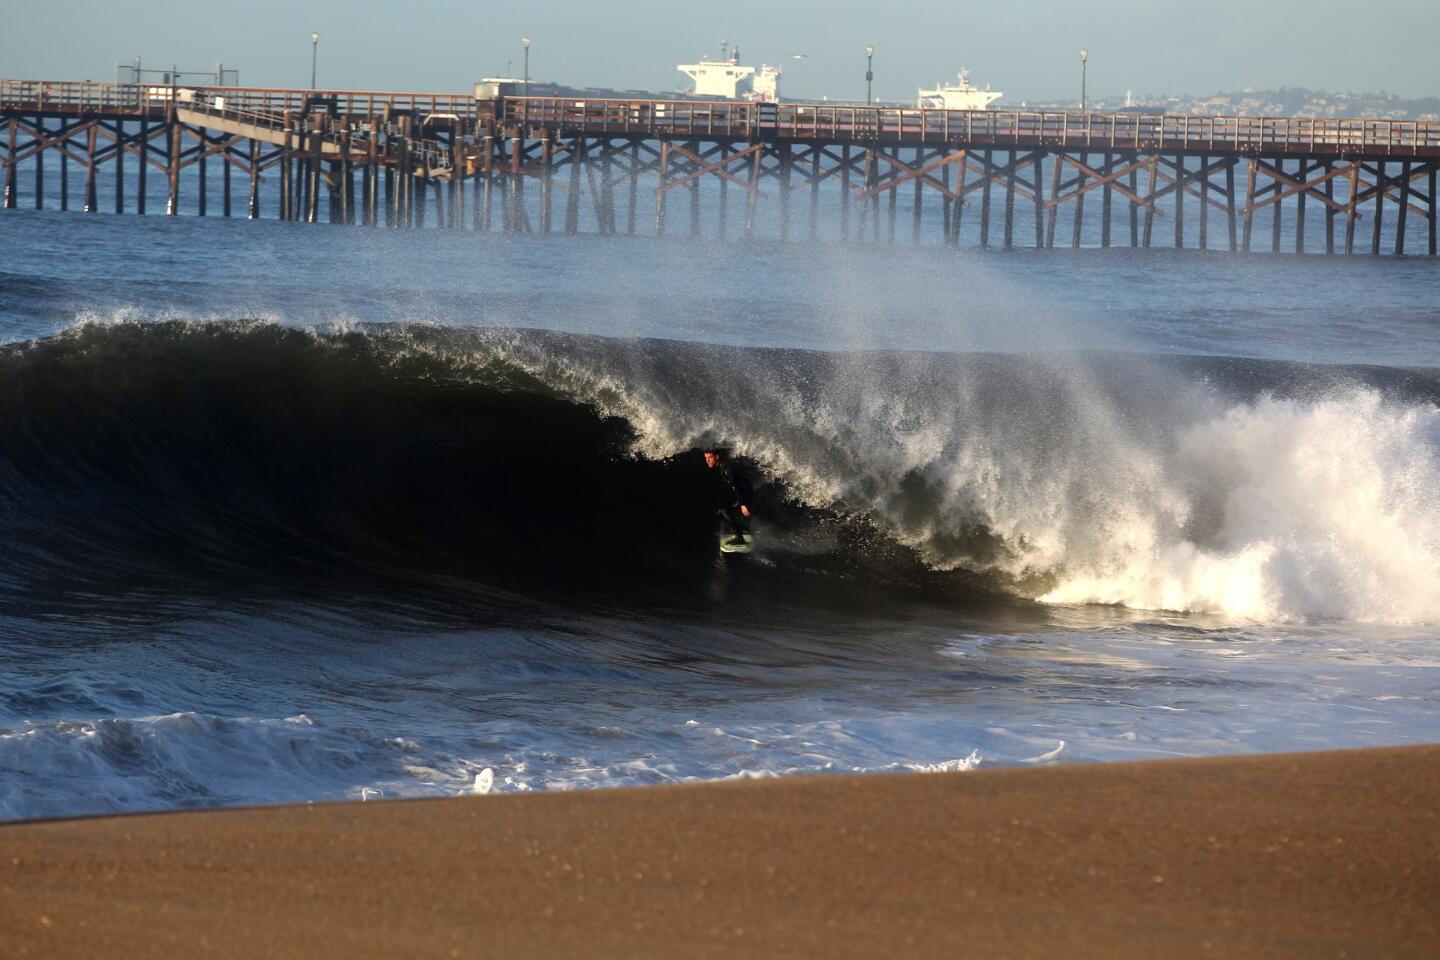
(296, 513)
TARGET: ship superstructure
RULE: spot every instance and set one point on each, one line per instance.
(765, 87)
(727, 79)
(957, 96)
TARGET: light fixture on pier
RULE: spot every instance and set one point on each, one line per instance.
(869, 70)
(314, 53)
(525, 42)
(1084, 56)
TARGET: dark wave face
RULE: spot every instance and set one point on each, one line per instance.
(254, 459)
(260, 454)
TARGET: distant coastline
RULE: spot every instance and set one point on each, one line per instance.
(1250, 102)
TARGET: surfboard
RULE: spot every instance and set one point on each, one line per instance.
(727, 547)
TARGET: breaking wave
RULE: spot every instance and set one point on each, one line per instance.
(132, 453)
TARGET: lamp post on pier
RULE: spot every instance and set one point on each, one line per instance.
(314, 55)
(525, 42)
(1084, 56)
(869, 71)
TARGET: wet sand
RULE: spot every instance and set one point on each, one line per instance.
(1305, 856)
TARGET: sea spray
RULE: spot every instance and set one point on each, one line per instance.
(1151, 491)
(1299, 509)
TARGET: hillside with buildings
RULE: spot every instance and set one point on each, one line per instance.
(1284, 102)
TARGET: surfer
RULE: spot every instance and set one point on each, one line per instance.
(736, 513)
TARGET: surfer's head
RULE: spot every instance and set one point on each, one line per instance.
(712, 458)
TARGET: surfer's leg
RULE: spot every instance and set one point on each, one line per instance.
(733, 520)
(736, 522)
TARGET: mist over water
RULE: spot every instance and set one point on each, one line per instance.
(1151, 483)
(300, 514)
(830, 296)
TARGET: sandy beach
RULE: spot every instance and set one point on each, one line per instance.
(1311, 855)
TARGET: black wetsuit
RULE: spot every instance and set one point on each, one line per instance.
(740, 492)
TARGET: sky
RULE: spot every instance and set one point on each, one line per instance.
(1028, 50)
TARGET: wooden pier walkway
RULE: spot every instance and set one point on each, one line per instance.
(993, 177)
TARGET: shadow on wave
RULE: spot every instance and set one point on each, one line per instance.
(175, 460)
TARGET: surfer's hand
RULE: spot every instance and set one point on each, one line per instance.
(744, 510)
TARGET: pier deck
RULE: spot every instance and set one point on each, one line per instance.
(415, 151)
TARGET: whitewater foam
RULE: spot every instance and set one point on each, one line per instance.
(1181, 498)
(1295, 509)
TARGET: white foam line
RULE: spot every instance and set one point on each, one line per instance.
(1044, 757)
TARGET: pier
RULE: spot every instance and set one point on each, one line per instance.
(782, 171)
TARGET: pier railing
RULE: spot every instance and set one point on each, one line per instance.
(79, 97)
(799, 121)
(1098, 131)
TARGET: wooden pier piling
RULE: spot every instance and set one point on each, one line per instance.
(1380, 184)
(39, 167)
(986, 160)
(1431, 212)
(1402, 207)
(90, 138)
